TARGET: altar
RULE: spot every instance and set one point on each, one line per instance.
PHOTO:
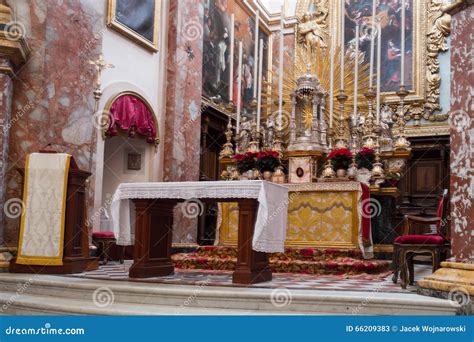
(320, 215)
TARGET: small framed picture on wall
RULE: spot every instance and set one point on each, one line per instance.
(138, 20)
(134, 161)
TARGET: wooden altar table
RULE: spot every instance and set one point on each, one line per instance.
(261, 229)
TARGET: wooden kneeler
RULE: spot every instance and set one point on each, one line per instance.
(76, 257)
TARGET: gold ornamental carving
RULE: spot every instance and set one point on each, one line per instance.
(431, 27)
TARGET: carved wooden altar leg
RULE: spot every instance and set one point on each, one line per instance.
(252, 267)
(153, 233)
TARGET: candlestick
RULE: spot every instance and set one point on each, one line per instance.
(239, 88)
(260, 74)
(402, 52)
(231, 69)
(342, 46)
(356, 75)
(280, 71)
(372, 45)
(255, 67)
(379, 62)
(331, 77)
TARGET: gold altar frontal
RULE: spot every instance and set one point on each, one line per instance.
(320, 215)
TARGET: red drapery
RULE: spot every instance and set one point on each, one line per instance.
(131, 114)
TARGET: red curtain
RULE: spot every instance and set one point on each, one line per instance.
(131, 114)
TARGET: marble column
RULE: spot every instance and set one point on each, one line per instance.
(461, 123)
(183, 104)
(455, 278)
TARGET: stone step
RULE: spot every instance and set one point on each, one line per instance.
(35, 294)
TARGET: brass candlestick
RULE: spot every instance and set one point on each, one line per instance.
(254, 145)
(328, 171)
(377, 173)
(341, 139)
(228, 149)
(369, 139)
(401, 143)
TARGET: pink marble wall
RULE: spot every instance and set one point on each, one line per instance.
(52, 98)
(183, 103)
(461, 123)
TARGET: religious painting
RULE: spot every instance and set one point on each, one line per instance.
(134, 161)
(137, 20)
(388, 13)
(216, 52)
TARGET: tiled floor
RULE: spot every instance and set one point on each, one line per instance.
(116, 271)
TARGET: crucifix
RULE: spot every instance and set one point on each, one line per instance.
(100, 64)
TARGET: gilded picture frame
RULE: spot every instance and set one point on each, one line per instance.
(122, 17)
(430, 23)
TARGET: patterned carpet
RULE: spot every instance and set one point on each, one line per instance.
(342, 262)
(116, 271)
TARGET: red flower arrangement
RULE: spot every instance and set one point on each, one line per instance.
(341, 158)
(267, 161)
(365, 158)
(245, 161)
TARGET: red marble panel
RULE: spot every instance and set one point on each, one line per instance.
(462, 135)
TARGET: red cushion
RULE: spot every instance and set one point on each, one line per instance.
(421, 239)
(103, 235)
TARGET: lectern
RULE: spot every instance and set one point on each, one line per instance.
(76, 257)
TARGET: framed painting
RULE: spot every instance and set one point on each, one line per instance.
(426, 34)
(216, 52)
(137, 20)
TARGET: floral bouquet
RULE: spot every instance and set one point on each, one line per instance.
(245, 161)
(365, 158)
(341, 158)
(267, 161)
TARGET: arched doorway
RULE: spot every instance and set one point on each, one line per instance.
(130, 141)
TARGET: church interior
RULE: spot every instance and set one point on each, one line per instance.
(236, 157)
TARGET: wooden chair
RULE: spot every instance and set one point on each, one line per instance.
(407, 246)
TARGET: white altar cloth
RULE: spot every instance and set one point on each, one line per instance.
(270, 227)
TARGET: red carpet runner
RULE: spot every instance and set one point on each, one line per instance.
(305, 260)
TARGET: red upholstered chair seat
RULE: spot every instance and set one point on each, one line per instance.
(102, 235)
(421, 239)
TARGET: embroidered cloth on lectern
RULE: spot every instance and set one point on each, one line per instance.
(270, 226)
(44, 199)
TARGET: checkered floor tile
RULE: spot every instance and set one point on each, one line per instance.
(116, 271)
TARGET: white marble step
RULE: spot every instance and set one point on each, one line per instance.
(45, 293)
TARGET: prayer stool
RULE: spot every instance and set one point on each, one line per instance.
(104, 241)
